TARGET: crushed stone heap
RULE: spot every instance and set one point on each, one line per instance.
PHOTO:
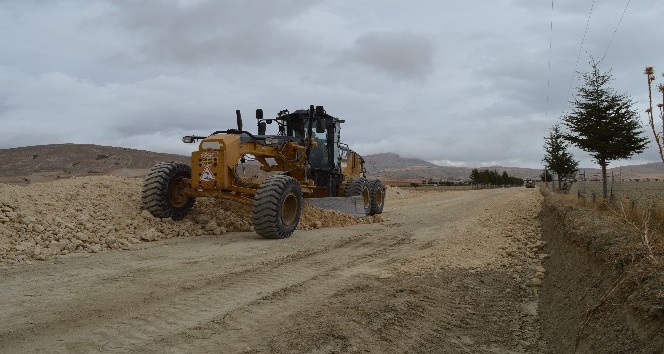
(95, 214)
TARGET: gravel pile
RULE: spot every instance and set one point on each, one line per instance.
(398, 193)
(95, 214)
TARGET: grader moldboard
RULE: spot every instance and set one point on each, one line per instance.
(306, 159)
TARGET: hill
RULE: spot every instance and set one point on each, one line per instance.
(50, 162)
(393, 167)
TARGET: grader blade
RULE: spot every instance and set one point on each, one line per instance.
(353, 206)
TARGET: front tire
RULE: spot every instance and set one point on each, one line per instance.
(163, 191)
(277, 207)
(360, 187)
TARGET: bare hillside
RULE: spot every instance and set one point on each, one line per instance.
(49, 162)
(393, 167)
(42, 163)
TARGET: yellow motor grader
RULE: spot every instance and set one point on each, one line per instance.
(306, 159)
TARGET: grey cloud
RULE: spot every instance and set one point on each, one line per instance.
(427, 79)
(209, 32)
(401, 55)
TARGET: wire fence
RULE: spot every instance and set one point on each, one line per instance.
(642, 193)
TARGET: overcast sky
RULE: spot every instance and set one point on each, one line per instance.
(452, 82)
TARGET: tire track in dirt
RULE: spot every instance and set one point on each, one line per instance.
(273, 310)
(379, 288)
(165, 314)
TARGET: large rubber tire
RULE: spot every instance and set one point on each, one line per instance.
(360, 187)
(162, 192)
(355, 186)
(277, 207)
(377, 191)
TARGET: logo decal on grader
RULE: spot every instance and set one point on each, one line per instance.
(305, 159)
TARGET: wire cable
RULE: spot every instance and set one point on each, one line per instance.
(548, 78)
(615, 30)
(585, 32)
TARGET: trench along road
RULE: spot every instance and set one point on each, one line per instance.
(447, 272)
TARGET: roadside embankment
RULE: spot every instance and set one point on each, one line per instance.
(605, 292)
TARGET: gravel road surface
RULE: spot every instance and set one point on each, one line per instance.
(446, 272)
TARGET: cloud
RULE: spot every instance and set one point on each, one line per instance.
(401, 55)
(221, 32)
(419, 79)
(58, 108)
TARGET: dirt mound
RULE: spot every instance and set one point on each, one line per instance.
(94, 214)
(398, 193)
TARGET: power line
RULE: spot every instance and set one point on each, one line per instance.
(615, 31)
(592, 5)
(548, 79)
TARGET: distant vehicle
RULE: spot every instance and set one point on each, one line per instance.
(530, 183)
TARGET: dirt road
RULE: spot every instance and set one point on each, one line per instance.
(447, 272)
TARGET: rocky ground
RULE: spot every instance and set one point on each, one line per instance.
(450, 272)
(83, 269)
(95, 214)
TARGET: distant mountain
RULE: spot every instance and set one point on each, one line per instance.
(49, 162)
(392, 161)
(653, 170)
(391, 166)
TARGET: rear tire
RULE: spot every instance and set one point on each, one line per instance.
(163, 187)
(277, 207)
(377, 191)
(355, 186)
(360, 187)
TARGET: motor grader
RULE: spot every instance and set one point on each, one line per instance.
(305, 159)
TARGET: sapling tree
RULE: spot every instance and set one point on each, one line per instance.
(557, 158)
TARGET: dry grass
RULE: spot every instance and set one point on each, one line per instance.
(637, 204)
(646, 218)
(626, 234)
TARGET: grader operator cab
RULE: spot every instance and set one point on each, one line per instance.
(306, 159)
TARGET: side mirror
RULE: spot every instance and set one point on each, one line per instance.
(188, 139)
(239, 120)
(259, 114)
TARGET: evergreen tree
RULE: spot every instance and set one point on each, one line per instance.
(546, 176)
(603, 122)
(475, 177)
(557, 158)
